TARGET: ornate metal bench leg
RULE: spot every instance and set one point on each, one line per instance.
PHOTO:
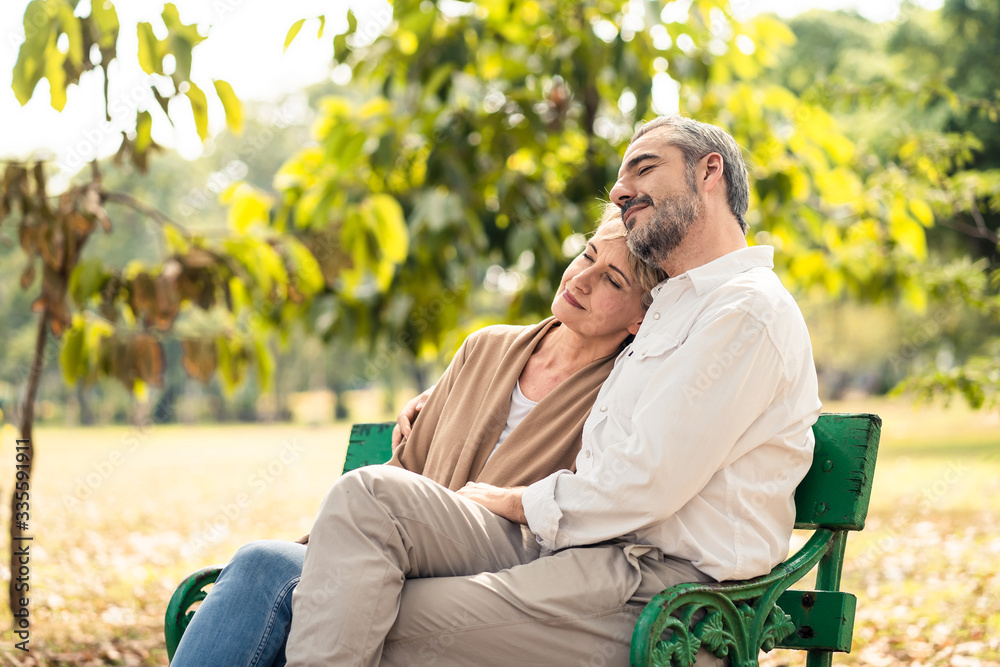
(191, 591)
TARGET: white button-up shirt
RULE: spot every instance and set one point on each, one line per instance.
(701, 432)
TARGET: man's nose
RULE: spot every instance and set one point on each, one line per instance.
(621, 192)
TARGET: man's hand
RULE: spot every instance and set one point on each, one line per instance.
(408, 415)
(503, 502)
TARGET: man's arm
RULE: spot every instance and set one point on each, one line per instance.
(690, 421)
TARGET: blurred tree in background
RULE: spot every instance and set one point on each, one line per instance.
(919, 98)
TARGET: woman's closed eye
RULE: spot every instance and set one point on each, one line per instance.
(614, 283)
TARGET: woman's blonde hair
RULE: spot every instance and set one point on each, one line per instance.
(612, 227)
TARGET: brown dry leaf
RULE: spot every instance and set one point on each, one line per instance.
(28, 275)
(142, 296)
(80, 224)
(147, 357)
(91, 202)
(51, 245)
(199, 359)
(168, 301)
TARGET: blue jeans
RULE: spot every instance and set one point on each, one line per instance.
(246, 616)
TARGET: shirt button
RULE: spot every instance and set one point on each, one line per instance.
(656, 316)
(604, 408)
(586, 453)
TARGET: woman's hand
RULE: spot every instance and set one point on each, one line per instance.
(408, 415)
(500, 501)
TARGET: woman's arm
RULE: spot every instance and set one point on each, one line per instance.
(408, 415)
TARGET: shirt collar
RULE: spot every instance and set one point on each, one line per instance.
(707, 277)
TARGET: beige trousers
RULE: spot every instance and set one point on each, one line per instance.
(401, 571)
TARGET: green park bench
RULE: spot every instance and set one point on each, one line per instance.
(733, 619)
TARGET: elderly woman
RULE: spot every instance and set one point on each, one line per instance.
(508, 411)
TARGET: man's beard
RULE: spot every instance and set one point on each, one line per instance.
(672, 218)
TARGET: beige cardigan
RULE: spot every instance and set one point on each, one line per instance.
(460, 424)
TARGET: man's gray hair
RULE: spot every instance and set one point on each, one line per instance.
(696, 140)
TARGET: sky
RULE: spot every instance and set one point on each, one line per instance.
(246, 39)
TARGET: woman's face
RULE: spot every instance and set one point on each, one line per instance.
(598, 295)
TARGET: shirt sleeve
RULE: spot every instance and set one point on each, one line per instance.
(699, 403)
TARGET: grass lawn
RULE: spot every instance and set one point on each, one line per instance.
(121, 515)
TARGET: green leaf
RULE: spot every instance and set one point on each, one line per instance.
(70, 25)
(393, 238)
(322, 26)
(71, 356)
(55, 73)
(907, 232)
(180, 47)
(915, 297)
(264, 363)
(199, 107)
(86, 280)
(143, 131)
(176, 242)
(340, 45)
(292, 32)
(308, 274)
(150, 58)
(104, 14)
(922, 212)
(247, 207)
(231, 103)
(231, 362)
(29, 68)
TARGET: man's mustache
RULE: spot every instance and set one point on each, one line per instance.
(638, 201)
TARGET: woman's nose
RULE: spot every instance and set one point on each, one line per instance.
(582, 281)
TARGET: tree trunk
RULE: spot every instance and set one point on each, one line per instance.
(19, 528)
(86, 414)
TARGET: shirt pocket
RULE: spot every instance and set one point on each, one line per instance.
(654, 346)
(639, 368)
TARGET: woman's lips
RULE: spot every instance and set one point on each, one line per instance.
(573, 302)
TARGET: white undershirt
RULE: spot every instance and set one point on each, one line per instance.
(520, 406)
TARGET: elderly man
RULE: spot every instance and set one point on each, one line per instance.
(689, 462)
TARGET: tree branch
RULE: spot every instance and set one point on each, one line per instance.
(980, 231)
(128, 200)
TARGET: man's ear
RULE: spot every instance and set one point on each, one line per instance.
(634, 327)
(713, 170)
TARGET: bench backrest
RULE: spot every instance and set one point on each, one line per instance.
(834, 493)
(838, 486)
(369, 444)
